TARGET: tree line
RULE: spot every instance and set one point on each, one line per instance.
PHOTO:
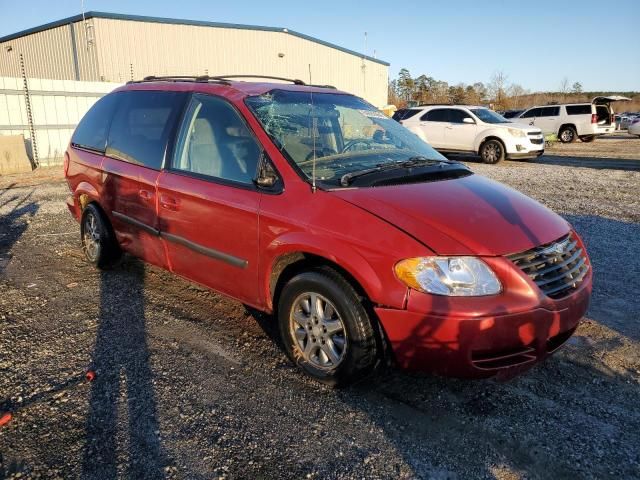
(498, 93)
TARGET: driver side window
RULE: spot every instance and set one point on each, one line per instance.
(214, 141)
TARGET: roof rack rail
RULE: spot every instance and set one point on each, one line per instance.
(225, 79)
(180, 78)
(295, 81)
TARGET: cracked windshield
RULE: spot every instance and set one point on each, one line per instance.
(344, 133)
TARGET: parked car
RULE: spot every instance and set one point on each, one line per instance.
(310, 204)
(512, 113)
(571, 121)
(473, 130)
(634, 127)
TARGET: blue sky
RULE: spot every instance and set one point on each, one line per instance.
(536, 43)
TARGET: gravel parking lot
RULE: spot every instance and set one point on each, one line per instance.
(189, 385)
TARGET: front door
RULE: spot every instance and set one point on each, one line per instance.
(547, 120)
(142, 125)
(433, 124)
(459, 135)
(208, 203)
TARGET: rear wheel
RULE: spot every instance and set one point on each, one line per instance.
(567, 134)
(492, 151)
(98, 241)
(325, 329)
(588, 138)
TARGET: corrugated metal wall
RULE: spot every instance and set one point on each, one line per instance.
(163, 49)
(50, 54)
(116, 50)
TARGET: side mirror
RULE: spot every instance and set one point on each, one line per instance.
(267, 178)
(468, 120)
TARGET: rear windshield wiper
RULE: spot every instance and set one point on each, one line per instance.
(417, 161)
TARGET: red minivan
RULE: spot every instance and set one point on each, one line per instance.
(309, 203)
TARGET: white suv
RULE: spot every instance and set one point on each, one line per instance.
(475, 130)
(585, 121)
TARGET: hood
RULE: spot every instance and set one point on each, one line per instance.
(466, 216)
(520, 126)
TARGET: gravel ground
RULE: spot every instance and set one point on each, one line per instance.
(191, 386)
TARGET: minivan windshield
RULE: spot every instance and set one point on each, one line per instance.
(342, 132)
(489, 116)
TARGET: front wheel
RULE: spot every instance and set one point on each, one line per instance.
(492, 151)
(567, 135)
(325, 329)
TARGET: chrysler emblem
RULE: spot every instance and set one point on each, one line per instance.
(557, 248)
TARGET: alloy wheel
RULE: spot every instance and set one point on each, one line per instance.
(492, 152)
(91, 237)
(318, 331)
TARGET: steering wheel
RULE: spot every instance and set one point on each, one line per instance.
(359, 141)
(320, 152)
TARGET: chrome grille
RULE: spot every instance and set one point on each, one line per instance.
(556, 268)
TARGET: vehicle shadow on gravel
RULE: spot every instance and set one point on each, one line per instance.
(589, 162)
(14, 224)
(123, 387)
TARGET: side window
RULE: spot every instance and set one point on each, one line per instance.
(92, 130)
(142, 125)
(436, 115)
(534, 112)
(549, 111)
(457, 116)
(214, 141)
(579, 109)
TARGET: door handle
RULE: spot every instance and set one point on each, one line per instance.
(449, 128)
(145, 194)
(168, 203)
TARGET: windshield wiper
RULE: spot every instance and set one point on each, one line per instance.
(346, 179)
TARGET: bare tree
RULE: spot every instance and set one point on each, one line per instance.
(564, 88)
(498, 89)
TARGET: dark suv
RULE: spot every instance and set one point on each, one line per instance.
(309, 203)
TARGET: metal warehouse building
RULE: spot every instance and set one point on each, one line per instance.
(116, 48)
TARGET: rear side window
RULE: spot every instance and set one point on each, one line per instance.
(92, 130)
(550, 111)
(578, 109)
(436, 115)
(142, 125)
(215, 142)
(405, 113)
(534, 112)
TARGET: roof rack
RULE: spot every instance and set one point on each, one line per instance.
(180, 78)
(224, 79)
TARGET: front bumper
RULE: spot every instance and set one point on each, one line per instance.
(495, 344)
(529, 147)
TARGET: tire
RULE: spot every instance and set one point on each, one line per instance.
(588, 138)
(339, 355)
(567, 135)
(98, 240)
(492, 151)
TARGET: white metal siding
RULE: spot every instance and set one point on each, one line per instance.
(171, 49)
(49, 54)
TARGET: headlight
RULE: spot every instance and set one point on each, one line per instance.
(452, 276)
(517, 132)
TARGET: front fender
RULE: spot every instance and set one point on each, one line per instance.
(490, 132)
(337, 252)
